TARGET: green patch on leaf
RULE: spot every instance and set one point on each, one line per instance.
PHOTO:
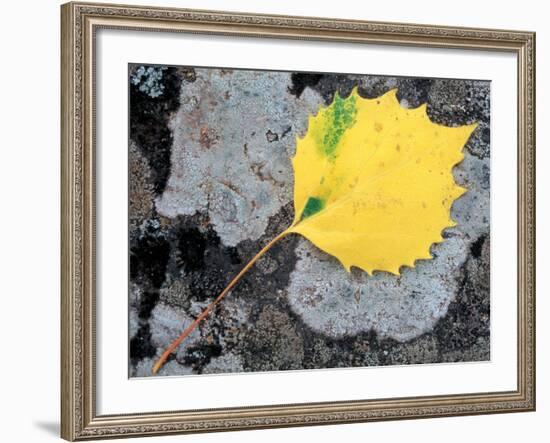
(338, 117)
(313, 206)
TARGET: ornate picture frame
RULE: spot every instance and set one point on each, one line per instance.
(80, 23)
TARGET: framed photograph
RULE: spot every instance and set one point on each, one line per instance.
(282, 221)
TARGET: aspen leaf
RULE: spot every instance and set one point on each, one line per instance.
(373, 182)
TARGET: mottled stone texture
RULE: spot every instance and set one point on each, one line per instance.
(211, 182)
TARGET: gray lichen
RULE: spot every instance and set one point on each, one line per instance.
(223, 163)
(329, 301)
(149, 80)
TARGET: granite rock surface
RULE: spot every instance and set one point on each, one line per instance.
(211, 183)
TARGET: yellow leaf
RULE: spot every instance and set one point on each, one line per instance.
(373, 182)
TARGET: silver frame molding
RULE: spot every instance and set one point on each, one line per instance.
(79, 22)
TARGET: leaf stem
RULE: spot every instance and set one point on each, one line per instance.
(209, 308)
